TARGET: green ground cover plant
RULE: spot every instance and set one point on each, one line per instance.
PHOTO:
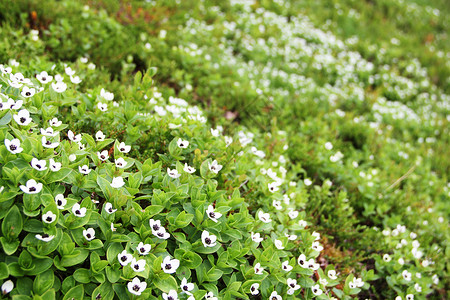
(224, 149)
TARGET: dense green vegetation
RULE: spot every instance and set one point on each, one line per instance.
(294, 149)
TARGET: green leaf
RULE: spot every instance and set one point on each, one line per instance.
(82, 275)
(76, 292)
(57, 176)
(12, 224)
(9, 247)
(40, 265)
(4, 273)
(77, 257)
(165, 282)
(43, 282)
(113, 250)
(183, 220)
(105, 186)
(6, 119)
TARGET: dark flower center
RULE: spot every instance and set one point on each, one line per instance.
(44, 78)
(59, 202)
(212, 215)
(170, 298)
(45, 235)
(155, 227)
(78, 212)
(123, 258)
(48, 143)
(168, 267)
(28, 94)
(13, 147)
(292, 285)
(302, 262)
(32, 189)
(88, 235)
(136, 267)
(252, 288)
(98, 297)
(110, 210)
(208, 241)
(122, 149)
(38, 166)
(160, 234)
(102, 156)
(136, 288)
(185, 287)
(142, 250)
(49, 219)
(22, 120)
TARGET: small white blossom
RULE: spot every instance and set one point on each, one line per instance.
(7, 287)
(215, 167)
(170, 266)
(264, 217)
(212, 214)
(117, 182)
(186, 287)
(123, 148)
(120, 163)
(258, 269)
(23, 117)
(124, 258)
(60, 201)
(45, 237)
(31, 187)
(38, 164)
(138, 265)
(286, 267)
(59, 87)
(109, 208)
(44, 78)
(136, 287)
(89, 234)
(182, 143)
(208, 240)
(254, 289)
(78, 211)
(188, 169)
(99, 136)
(316, 290)
(256, 237)
(275, 296)
(48, 217)
(84, 169)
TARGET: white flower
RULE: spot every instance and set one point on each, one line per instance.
(358, 282)
(316, 246)
(302, 223)
(28, 92)
(48, 132)
(48, 144)
(48, 217)
(123, 148)
(182, 143)
(84, 169)
(54, 166)
(293, 214)
(215, 132)
(328, 146)
(60, 201)
(435, 279)
(170, 266)
(264, 217)
(120, 163)
(138, 265)
(290, 237)
(273, 187)
(386, 258)
(136, 287)
(409, 297)
(103, 156)
(117, 182)
(23, 117)
(316, 235)
(277, 204)
(78, 211)
(256, 237)
(406, 275)
(38, 164)
(44, 78)
(215, 167)
(173, 173)
(254, 289)
(102, 106)
(73, 137)
(208, 240)
(143, 249)
(332, 274)
(275, 296)
(286, 267)
(124, 258)
(2, 188)
(69, 71)
(59, 87)
(31, 187)
(13, 146)
(279, 244)
(302, 261)
(171, 296)
(99, 136)
(89, 234)
(55, 122)
(45, 237)
(109, 208)
(316, 290)
(213, 215)
(75, 79)
(307, 182)
(228, 140)
(258, 269)
(323, 281)
(186, 287)
(7, 287)
(418, 288)
(161, 233)
(106, 95)
(292, 284)
(210, 295)
(188, 169)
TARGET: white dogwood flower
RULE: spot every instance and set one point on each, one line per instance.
(31, 187)
(170, 266)
(13, 146)
(89, 234)
(136, 287)
(117, 182)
